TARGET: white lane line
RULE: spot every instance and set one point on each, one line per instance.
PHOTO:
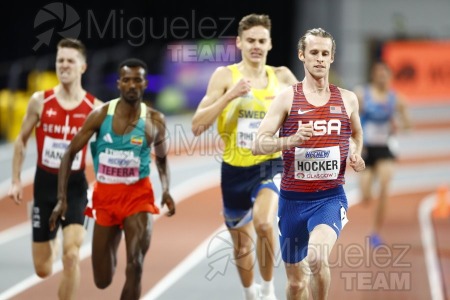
(191, 186)
(27, 177)
(15, 232)
(209, 180)
(353, 197)
(32, 280)
(195, 257)
(182, 268)
(429, 246)
(180, 192)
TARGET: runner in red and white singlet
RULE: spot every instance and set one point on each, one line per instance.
(56, 129)
(57, 115)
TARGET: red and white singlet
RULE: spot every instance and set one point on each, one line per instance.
(56, 129)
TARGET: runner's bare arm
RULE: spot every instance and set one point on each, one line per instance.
(403, 112)
(90, 126)
(218, 95)
(356, 143)
(30, 120)
(266, 142)
(285, 76)
(161, 149)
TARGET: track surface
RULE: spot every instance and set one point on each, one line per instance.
(190, 254)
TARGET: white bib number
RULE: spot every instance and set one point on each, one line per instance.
(317, 163)
(246, 132)
(54, 150)
(120, 167)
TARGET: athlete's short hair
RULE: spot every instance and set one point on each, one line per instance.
(132, 63)
(316, 32)
(74, 44)
(253, 20)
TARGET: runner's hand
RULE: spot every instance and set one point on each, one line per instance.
(15, 193)
(241, 88)
(303, 134)
(58, 212)
(168, 201)
(357, 163)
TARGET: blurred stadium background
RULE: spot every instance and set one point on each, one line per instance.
(184, 42)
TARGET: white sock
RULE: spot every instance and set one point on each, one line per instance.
(250, 292)
(267, 287)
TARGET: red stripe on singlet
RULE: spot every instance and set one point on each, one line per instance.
(333, 109)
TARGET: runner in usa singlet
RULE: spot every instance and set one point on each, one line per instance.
(318, 164)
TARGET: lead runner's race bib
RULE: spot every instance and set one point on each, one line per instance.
(246, 132)
(317, 163)
(53, 152)
(118, 167)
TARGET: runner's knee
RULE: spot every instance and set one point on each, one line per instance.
(263, 228)
(296, 287)
(70, 258)
(43, 270)
(244, 248)
(134, 267)
(103, 282)
(317, 262)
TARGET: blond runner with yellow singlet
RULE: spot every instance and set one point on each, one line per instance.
(238, 97)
